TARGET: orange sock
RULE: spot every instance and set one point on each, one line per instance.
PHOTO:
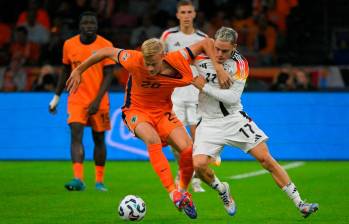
(99, 174)
(161, 166)
(78, 169)
(186, 168)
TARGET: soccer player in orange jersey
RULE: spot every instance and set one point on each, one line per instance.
(89, 106)
(148, 107)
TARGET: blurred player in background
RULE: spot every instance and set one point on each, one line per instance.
(185, 99)
(148, 108)
(89, 106)
(225, 123)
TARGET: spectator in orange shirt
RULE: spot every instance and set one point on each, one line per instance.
(41, 15)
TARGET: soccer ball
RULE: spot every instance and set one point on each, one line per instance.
(132, 208)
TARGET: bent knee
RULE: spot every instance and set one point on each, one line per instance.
(200, 163)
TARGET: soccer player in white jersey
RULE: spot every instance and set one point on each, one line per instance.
(185, 99)
(224, 123)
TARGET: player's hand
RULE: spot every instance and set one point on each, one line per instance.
(224, 79)
(73, 81)
(52, 107)
(93, 107)
(199, 82)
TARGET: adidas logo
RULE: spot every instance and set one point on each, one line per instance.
(177, 44)
(257, 136)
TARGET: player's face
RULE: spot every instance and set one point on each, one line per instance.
(185, 15)
(223, 50)
(88, 25)
(154, 63)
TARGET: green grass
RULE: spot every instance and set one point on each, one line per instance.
(33, 192)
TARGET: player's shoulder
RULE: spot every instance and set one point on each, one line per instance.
(169, 32)
(238, 57)
(172, 30)
(200, 33)
(104, 41)
(72, 40)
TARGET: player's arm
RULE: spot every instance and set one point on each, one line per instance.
(75, 77)
(59, 88)
(227, 96)
(107, 80)
(207, 45)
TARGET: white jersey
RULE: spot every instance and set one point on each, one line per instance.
(174, 40)
(215, 102)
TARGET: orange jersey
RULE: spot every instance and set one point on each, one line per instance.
(75, 52)
(147, 91)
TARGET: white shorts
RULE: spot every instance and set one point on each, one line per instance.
(186, 113)
(235, 130)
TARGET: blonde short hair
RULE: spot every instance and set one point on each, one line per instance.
(227, 34)
(152, 47)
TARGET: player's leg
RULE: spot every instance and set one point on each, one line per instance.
(192, 117)
(172, 131)
(161, 165)
(181, 141)
(100, 123)
(77, 156)
(99, 156)
(179, 110)
(141, 124)
(261, 153)
(209, 141)
(206, 174)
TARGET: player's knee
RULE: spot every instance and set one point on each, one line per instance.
(200, 165)
(268, 163)
(152, 140)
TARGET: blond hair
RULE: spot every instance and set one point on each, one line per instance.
(227, 34)
(152, 47)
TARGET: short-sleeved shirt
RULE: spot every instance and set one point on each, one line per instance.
(74, 53)
(147, 91)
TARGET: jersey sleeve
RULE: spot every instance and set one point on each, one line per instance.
(242, 69)
(129, 59)
(65, 59)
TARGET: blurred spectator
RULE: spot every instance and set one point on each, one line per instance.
(13, 77)
(145, 31)
(37, 33)
(283, 81)
(245, 26)
(264, 41)
(41, 16)
(5, 31)
(215, 23)
(301, 80)
(122, 18)
(23, 49)
(46, 80)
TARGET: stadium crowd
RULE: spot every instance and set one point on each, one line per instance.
(32, 37)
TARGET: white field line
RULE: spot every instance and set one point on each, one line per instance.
(261, 172)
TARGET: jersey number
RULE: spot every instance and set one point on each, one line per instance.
(169, 116)
(211, 77)
(148, 84)
(249, 127)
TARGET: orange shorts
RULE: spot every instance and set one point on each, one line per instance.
(99, 121)
(164, 121)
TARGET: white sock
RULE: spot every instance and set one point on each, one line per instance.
(292, 193)
(217, 185)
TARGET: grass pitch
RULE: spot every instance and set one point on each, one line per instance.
(33, 192)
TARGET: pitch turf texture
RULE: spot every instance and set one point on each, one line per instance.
(33, 192)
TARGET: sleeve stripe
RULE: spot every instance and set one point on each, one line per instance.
(190, 53)
(118, 56)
